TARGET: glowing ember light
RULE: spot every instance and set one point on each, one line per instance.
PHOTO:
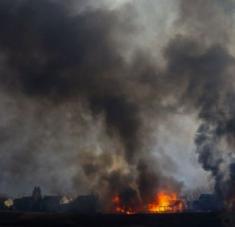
(9, 203)
(65, 200)
(120, 208)
(166, 203)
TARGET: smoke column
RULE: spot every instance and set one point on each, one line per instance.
(92, 93)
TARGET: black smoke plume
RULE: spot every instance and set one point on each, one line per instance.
(203, 62)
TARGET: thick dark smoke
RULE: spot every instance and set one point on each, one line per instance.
(55, 58)
(65, 57)
(204, 61)
(69, 75)
(206, 75)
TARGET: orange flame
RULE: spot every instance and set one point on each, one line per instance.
(166, 203)
(120, 208)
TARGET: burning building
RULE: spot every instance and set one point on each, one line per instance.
(163, 202)
(166, 203)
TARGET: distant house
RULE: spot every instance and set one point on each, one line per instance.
(207, 203)
(38, 203)
(85, 204)
(29, 203)
(23, 204)
(51, 204)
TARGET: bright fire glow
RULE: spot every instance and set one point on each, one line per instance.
(120, 208)
(166, 203)
(9, 203)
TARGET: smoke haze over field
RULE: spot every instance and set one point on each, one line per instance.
(120, 97)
